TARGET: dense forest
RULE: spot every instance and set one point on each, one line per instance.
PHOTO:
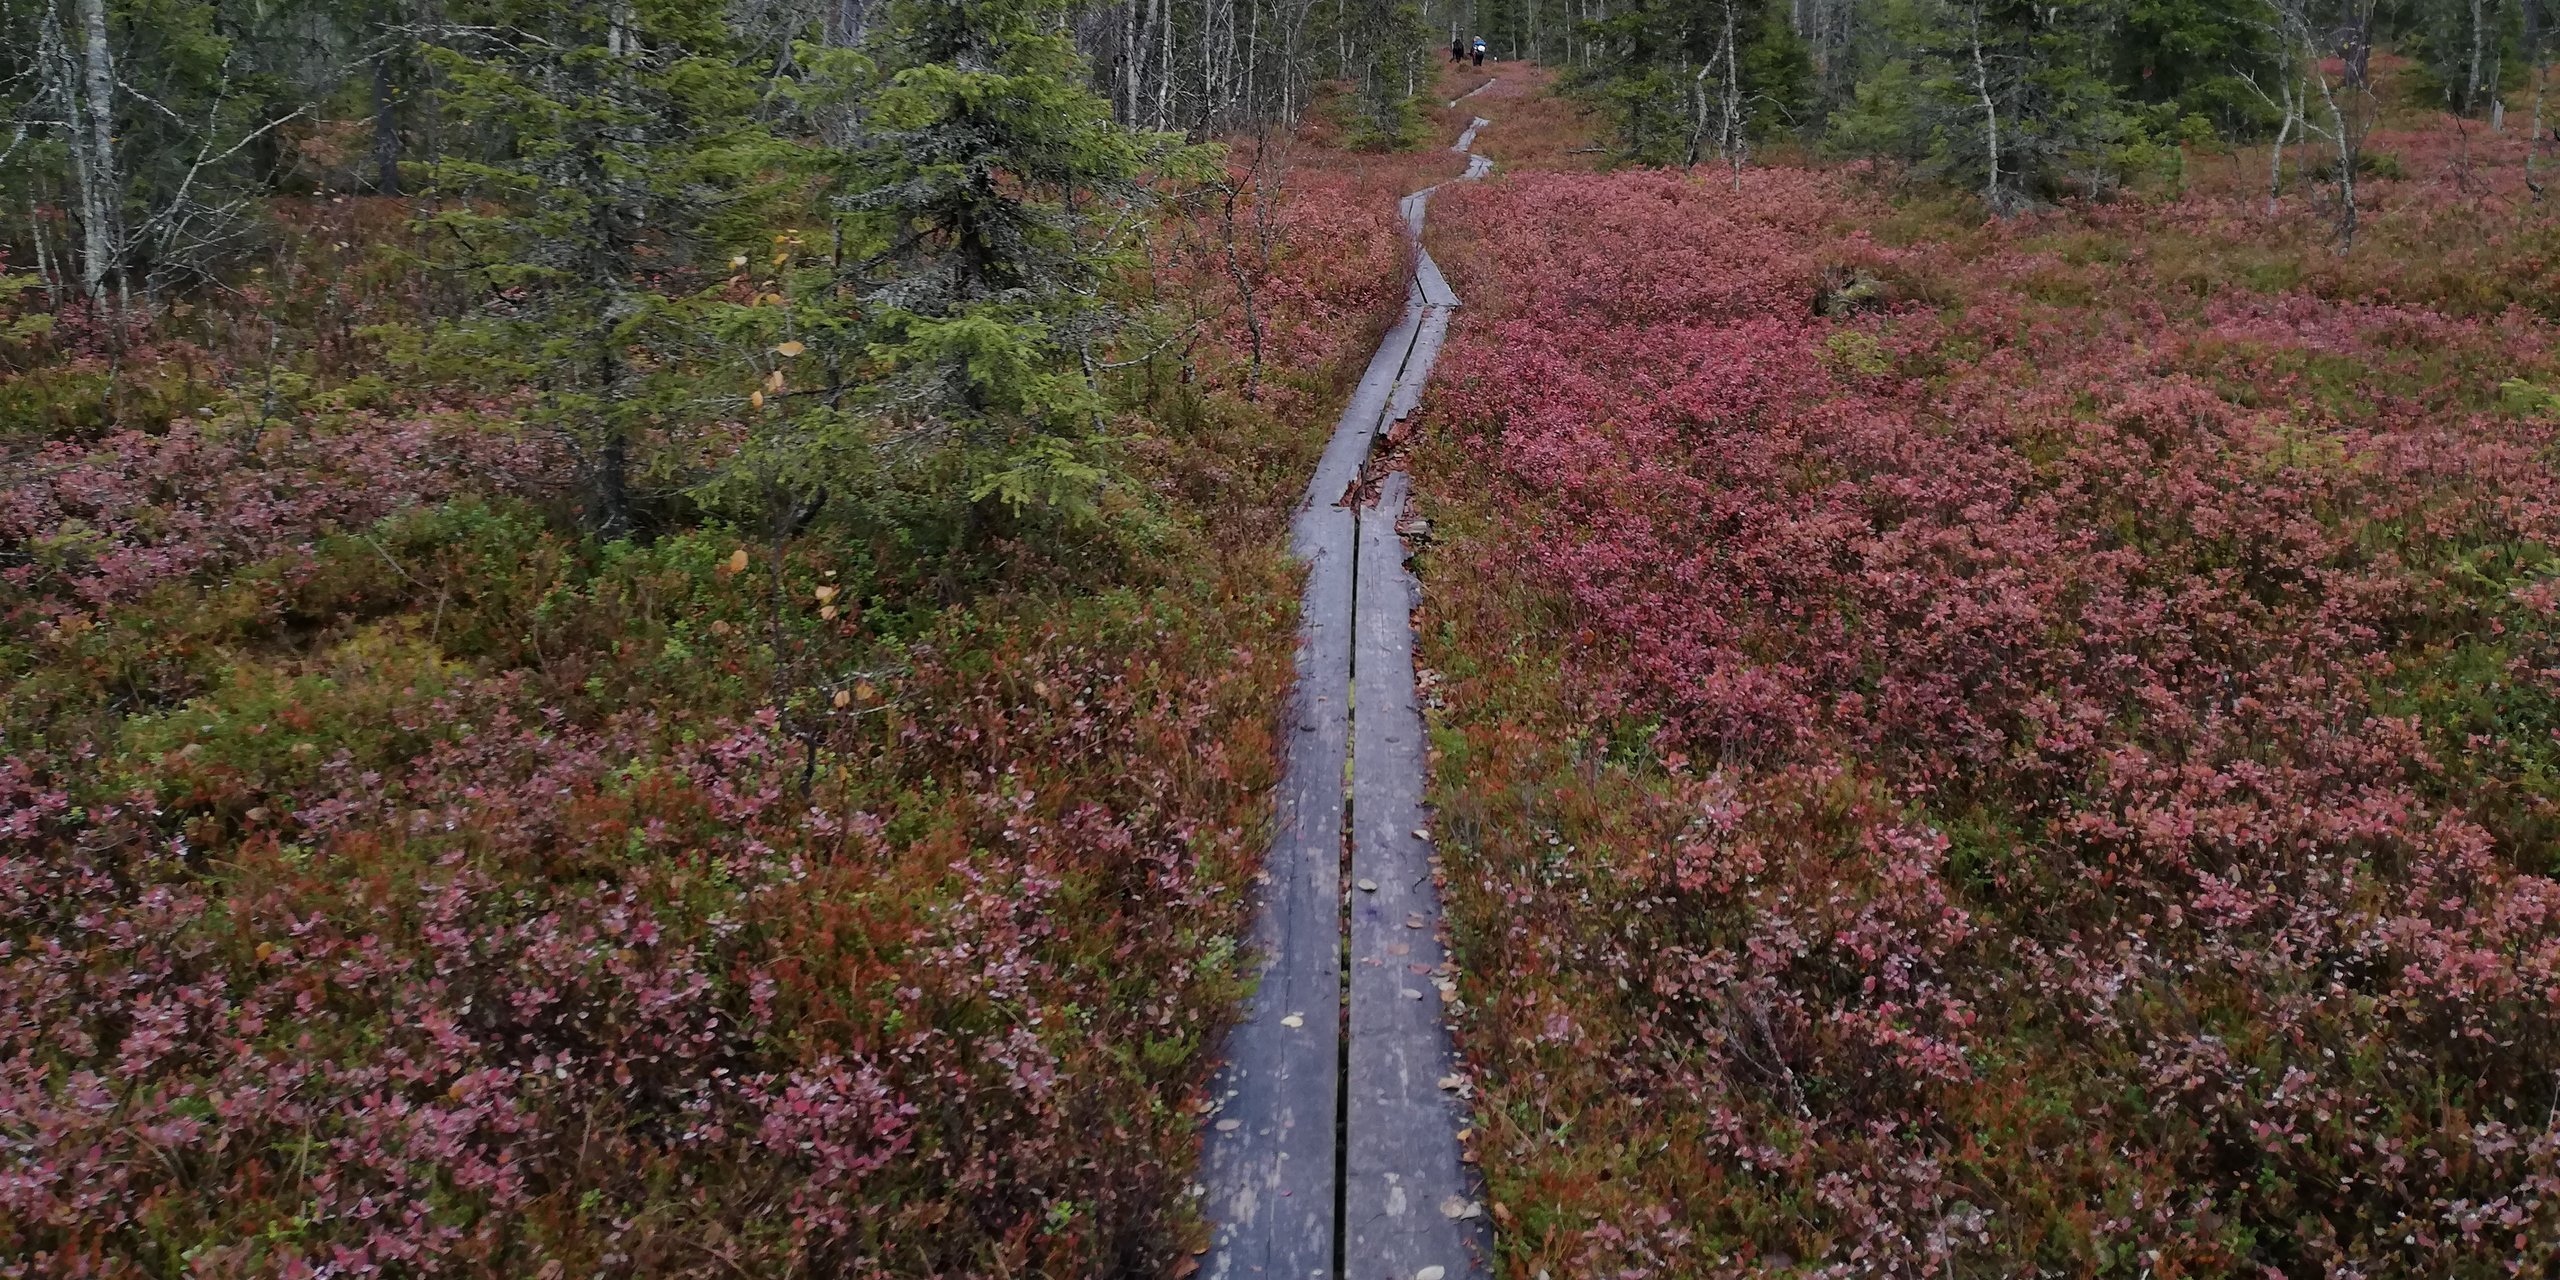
(655, 637)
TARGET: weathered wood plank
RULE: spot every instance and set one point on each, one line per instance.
(1408, 1201)
(1269, 1162)
(1269, 1170)
(1349, 447)
(1416, 374)
(1268, 1166)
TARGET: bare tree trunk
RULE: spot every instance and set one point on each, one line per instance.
(1127, 98)
(1990, 113)
(2479, 38)
(1164, 74)
(386, 129)
(2348, 155)
(1734, 144)
(1697, 116)
(847, 23)
(95, 154)
(2533, 144)
(2284, 131)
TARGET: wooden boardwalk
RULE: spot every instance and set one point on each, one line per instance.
(1332, 1154)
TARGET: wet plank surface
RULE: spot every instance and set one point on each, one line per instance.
(1408, 1202)
(1269, 1161)
(1288, 1176)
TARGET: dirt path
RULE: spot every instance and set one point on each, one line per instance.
(1333, 1155)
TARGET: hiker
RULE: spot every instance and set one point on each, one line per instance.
(1457, 50)
(1479, 51)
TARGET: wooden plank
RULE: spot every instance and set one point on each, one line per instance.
(1433, 286)
(1268, 1166)
(1416, 374)
(1409, 1203)
(1349, 447)
(1270, 1180)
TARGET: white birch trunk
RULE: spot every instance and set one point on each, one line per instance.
(101, 237)
(1990, 115)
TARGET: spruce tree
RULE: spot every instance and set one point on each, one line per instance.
(984, 211)
(617, 157)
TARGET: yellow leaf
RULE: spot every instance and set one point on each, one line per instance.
(773, 381)
(828, 613)
(863, 690)
(843, 698)
(738, 560)
(826, 593)
(780, 258)
(789, 349)
(756, 398)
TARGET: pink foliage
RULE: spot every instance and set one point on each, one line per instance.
(2107, 597)
(119, 515)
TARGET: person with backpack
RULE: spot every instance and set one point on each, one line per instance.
(1479, 51)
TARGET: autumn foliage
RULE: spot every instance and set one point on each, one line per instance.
(2001, 749)
(397, 880)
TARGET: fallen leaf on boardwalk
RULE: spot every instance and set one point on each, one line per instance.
(1411, 994)
(1460, 1207)
(1294, 1021)
(1413, 921)
(1452, 1082)
(1368, 886)
(1431, 1273)
(1230, 1126)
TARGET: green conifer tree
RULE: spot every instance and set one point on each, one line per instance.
(618, 158)
(982, 215)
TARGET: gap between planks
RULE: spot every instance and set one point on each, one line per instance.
(1330, 1157)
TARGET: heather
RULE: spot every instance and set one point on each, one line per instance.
(397, 876)
(2002, 746)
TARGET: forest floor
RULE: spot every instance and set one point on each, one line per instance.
(2003, 747)
(1957, 745)
(395, 877)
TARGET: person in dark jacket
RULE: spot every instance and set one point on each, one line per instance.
(1457, 50)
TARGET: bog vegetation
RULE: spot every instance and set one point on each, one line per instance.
(644, 637)
(690, 693)
(1978, 746)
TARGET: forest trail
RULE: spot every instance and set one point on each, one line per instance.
(1333, 1152)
